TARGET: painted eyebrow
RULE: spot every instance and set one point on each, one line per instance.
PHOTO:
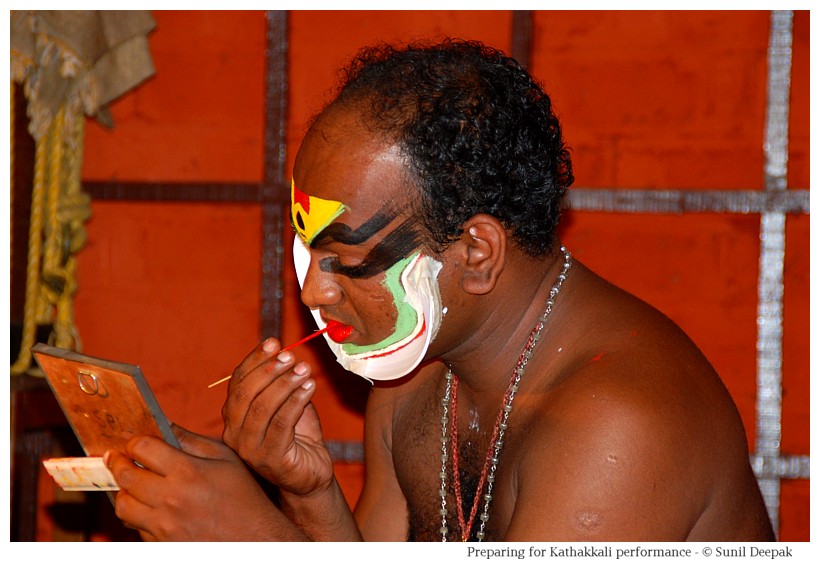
(395, 246)
(343, 234)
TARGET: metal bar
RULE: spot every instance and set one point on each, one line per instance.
(276, 87)
(772, 252)
(273, 192)
(792, 201)
(346, 451)
(522, 37)
(789, 466)
(172, 192)
(687, 201)
(776, 143)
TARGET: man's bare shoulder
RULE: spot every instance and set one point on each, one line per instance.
(631, 371)
(641, 437)
(625, 453)
(666, 408)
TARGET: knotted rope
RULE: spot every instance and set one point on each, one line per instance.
(56, 232)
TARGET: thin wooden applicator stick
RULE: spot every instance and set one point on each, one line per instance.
(291, 346)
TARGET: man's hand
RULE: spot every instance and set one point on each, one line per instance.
(271, 423)
(203, 492)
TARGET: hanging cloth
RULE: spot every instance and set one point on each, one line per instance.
(71, 64)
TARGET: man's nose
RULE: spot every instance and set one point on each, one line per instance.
(320, 287)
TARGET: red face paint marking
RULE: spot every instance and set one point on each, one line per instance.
(417, 336)
(597, 357)
(302, 198)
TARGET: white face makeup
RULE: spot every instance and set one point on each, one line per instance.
(414, 286)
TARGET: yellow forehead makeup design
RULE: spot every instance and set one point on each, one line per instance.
(310, 215)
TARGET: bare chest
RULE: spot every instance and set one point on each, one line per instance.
(437, 474)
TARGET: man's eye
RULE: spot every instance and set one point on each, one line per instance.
(343, 258)
(347, 261)
(362, 269)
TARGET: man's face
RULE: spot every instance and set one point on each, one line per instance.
(349, 207)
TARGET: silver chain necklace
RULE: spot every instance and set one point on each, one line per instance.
(448, 404)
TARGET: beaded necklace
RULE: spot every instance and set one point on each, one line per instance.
(497, 441)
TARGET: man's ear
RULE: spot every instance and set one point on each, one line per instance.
(483, 253)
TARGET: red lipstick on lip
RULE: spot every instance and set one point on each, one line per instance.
(337, 331)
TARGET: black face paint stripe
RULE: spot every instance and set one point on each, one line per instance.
(343, 234)
(395, 246)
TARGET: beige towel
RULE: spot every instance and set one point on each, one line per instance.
(81, 58)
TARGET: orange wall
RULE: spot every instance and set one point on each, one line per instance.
(175, 287)
(648, 100)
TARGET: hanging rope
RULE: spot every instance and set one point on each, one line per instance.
(35, 241)
(72, 212)
(11, 178)
(56, 232)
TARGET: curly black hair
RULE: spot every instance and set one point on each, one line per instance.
(479, 133)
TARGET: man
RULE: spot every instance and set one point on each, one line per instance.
(517, 395)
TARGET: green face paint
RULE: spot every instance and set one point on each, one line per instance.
(407, 318)
(412, 282)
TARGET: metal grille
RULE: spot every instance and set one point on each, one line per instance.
(772, 204)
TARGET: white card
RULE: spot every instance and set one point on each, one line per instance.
(81, 474)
